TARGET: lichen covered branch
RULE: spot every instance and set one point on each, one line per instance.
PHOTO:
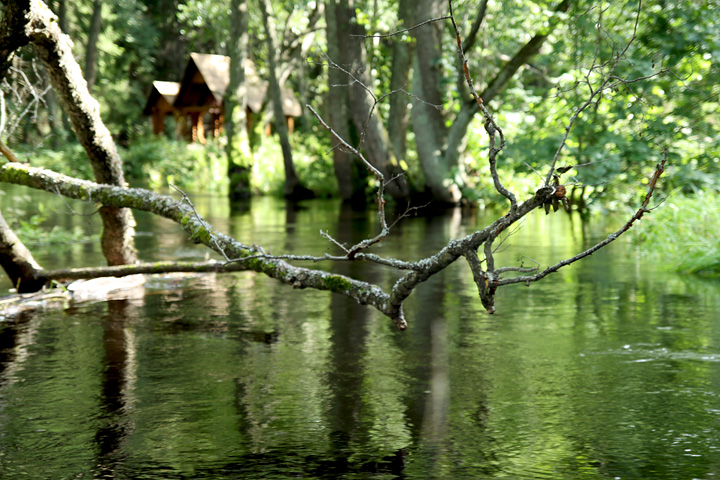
(363, 292)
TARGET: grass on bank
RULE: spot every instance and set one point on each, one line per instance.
(683, 233)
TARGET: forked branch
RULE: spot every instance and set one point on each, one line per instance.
(238, 256)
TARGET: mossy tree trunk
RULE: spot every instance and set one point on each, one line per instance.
(238, 151)
(40, 27)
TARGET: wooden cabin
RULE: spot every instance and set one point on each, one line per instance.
(198, 103)
(160, 104)
(203, 86)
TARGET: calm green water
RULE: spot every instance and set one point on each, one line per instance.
(609, 369)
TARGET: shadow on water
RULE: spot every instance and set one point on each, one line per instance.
(608, 369)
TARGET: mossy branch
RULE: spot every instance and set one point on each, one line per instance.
(201, 232)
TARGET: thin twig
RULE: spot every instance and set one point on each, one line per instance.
(606, 77)
(490, 125)
(385, 35)
(202, 222)
(652, 184)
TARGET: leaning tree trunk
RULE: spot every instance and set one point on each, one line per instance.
(293, 189)
(55, 50)
(18, 262)
(438, 147)
(238, 146)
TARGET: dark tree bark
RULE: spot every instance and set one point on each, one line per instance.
(62, 15)
(293, 188)
(34, 22)
(91, 49)
(12, 32)
(238, 147)
(399, 117)
(353, 59)
(18, 262)
(348, 186)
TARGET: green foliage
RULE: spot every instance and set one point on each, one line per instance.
(157, 162)
(683, 233)
(127, 44)
(312, 159)
(313, 162)
(67, 158)
(33, 230)
(621, 137)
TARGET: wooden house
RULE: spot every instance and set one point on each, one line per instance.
(160, 104)
(198, 104)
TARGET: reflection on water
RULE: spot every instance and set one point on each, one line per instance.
(608, 369)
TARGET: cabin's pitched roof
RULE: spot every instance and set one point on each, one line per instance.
(291, 105)
(215, 70)
(205, 82)
(166, 91)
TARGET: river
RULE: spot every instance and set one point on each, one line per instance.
(608, 369)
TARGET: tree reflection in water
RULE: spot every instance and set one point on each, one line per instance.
(606, 370)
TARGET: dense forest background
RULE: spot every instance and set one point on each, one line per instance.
(531, 60)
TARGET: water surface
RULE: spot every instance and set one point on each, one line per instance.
(608, 369)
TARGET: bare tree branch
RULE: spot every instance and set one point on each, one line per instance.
(385, 35)
(659, 169)
(490, 125)
(241, 257)
(475, 28)
(363, 292)
(605, 79)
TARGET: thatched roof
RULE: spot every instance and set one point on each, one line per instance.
(207, 77)
(215, 70)
(166, 91)
(291, 105)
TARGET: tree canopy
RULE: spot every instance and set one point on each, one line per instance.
(32, 23)
(402, 95)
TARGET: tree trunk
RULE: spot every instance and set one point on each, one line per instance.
(348, 187)
(91, 50)
(62, 15)
(238, 147)
(439, 148)
(293, 189)
(55, 50)
(399, 117)
(427, 120)
(12, 32)
(61, 126)
(376, 143)
(18, 262)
